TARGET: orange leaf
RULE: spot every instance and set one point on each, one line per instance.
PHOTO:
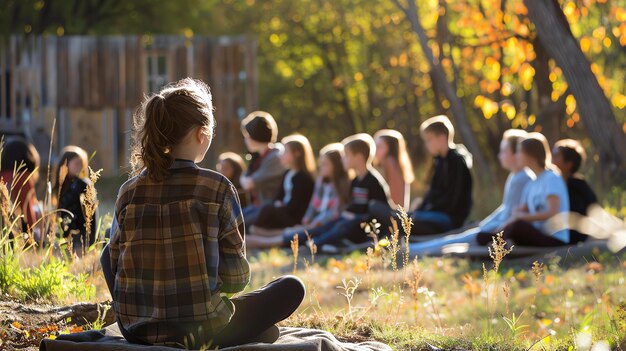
(77, 329)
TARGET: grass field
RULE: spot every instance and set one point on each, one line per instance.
(440, 302)
(383, 294)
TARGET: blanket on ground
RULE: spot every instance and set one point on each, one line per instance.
(291, 339)
(471, 249)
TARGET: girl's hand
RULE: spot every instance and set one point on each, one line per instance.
(278, 203)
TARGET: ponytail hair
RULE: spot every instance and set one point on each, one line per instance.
(163, 120)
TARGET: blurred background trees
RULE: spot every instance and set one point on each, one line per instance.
(331, 68)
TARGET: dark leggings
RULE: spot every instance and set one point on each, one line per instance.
(275, 217)
(256, 312)
(521, 233)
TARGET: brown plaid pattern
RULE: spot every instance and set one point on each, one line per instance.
(179, 244)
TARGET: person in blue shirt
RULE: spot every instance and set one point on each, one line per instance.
(535, 222)
(518, 177)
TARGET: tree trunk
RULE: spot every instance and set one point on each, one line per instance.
(554, 33)
(456, 104)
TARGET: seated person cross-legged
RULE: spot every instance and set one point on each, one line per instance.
(518, 177)
(533, 224)
(568, 155)
(448, 201)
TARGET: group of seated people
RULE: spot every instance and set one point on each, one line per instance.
(365, 178)
(65, 195)
(177, 250)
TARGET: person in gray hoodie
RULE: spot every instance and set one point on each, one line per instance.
(263, 178)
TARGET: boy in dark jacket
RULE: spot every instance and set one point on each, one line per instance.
(448, 201)
(568, 155)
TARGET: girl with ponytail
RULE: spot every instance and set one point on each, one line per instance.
(177, 240)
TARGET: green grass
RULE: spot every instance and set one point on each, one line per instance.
(448, 303)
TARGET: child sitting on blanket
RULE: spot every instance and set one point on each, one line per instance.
(293, 198)
(330, 197)
(177, 243)
(568, 155)
(544, 198)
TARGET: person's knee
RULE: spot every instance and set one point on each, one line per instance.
(483, 239)
(514, 227)
(295, 289)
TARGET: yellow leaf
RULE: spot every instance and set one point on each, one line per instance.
(585, 44)
(383, 242)
(619, 100)
(509, 110)
(570, 103)
(489, 108)
(479, 101)
(526, 74)
(507, 89)
(569, 9)
(599, 33)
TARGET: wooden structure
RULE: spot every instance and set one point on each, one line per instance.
(92, 86)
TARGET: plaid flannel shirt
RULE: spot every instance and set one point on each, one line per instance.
(179, 244)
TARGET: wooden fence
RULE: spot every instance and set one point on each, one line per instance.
(92, 86)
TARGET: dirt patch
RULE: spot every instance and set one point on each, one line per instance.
(23, 326)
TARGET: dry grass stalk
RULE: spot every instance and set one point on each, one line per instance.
(5, 205)
(537, 270)
(415, 279)
(369, 260)
(395, 247)
(49, 221)
(407, 225)
(90, 202)
(295, 246)
(311, 245)
(506, 289)
(498, 251)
